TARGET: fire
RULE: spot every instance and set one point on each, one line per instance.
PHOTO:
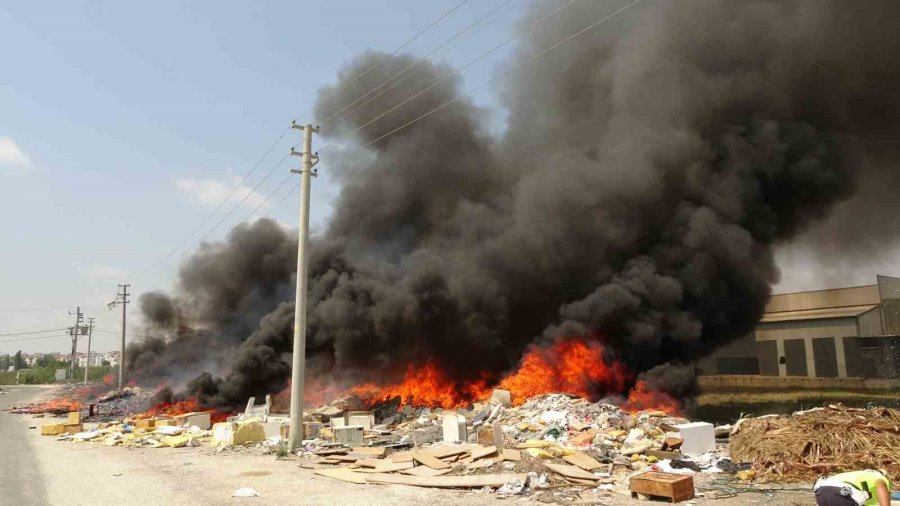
(642, 399)
(581, 367)
(574, 366)
(189, 405)
(55, 406)
(427, 385)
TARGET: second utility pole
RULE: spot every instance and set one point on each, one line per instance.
(87, 364)
(298, 369)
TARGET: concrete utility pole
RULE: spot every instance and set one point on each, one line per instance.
(121, 298)
(87, 364)
(299, 358)
(73, 332)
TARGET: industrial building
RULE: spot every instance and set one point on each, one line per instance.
(837, 333)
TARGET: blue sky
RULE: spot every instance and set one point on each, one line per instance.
(124, 124)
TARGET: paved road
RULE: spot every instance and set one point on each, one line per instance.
(20, 476)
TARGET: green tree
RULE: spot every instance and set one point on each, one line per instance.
(18, 361)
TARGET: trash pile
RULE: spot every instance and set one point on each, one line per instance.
(98, 406)
(550, 441)
(820, 441)
(190, 429)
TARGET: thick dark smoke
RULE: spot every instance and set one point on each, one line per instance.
(647, 171)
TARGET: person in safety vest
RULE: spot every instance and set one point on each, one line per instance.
(856, 488)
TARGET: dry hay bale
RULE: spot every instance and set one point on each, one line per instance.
(819, 442)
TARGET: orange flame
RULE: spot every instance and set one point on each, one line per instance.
(642, 399)
(189, 405)
(56, 406)
(574, 366)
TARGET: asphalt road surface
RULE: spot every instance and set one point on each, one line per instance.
(20, 477)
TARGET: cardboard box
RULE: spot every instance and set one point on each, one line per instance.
(75, 417)
(53, 429)
(144, 423)
(73, 428)
(167, 422)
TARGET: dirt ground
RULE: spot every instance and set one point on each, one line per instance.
(94, 474)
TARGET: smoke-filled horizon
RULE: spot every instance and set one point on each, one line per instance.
(647, 172)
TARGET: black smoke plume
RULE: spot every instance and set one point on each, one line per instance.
(646, 172)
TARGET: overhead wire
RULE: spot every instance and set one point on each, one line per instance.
(237, 206)
(467, 65)
(30, 332)
(159, 265)
(332, 119)
(501, 75)
(32, 338)
(218, 207)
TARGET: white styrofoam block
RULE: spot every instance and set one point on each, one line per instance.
(454, 428)
(367, 421)
(698, 437)
(338, 422)
(349, 434)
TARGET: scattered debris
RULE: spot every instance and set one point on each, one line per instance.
(245, 492)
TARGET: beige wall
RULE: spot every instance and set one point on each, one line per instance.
(870, 323)
(802, 329)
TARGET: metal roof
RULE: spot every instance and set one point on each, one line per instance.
(817, 314)
(823, 299)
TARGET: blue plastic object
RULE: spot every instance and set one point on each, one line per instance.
(895, 496)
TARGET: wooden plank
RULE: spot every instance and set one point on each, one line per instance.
(576, 481)
(440, 453)
(583, 461)
(571, 472)
(402, 457)
(426, 471)
(510, 454)
(342, 458)
(483, 451)
(480, 464)
(368, 462)
(533, 444)
(335, 451)
(343, 474)
(377, 451)
(430, 461)
(470, 481)
(390, 467)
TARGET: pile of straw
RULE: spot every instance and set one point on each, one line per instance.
(819, 442)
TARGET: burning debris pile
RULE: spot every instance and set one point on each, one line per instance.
(820, 441)
(639, 196)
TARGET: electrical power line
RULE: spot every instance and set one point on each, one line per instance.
(218, 207)
(418, 64)
(27, 332)
(503, 74)
(464, 67)
(159, 265)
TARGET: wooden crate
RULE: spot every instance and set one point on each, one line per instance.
(676, 487)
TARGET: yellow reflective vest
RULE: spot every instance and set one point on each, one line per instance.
(865, 481)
